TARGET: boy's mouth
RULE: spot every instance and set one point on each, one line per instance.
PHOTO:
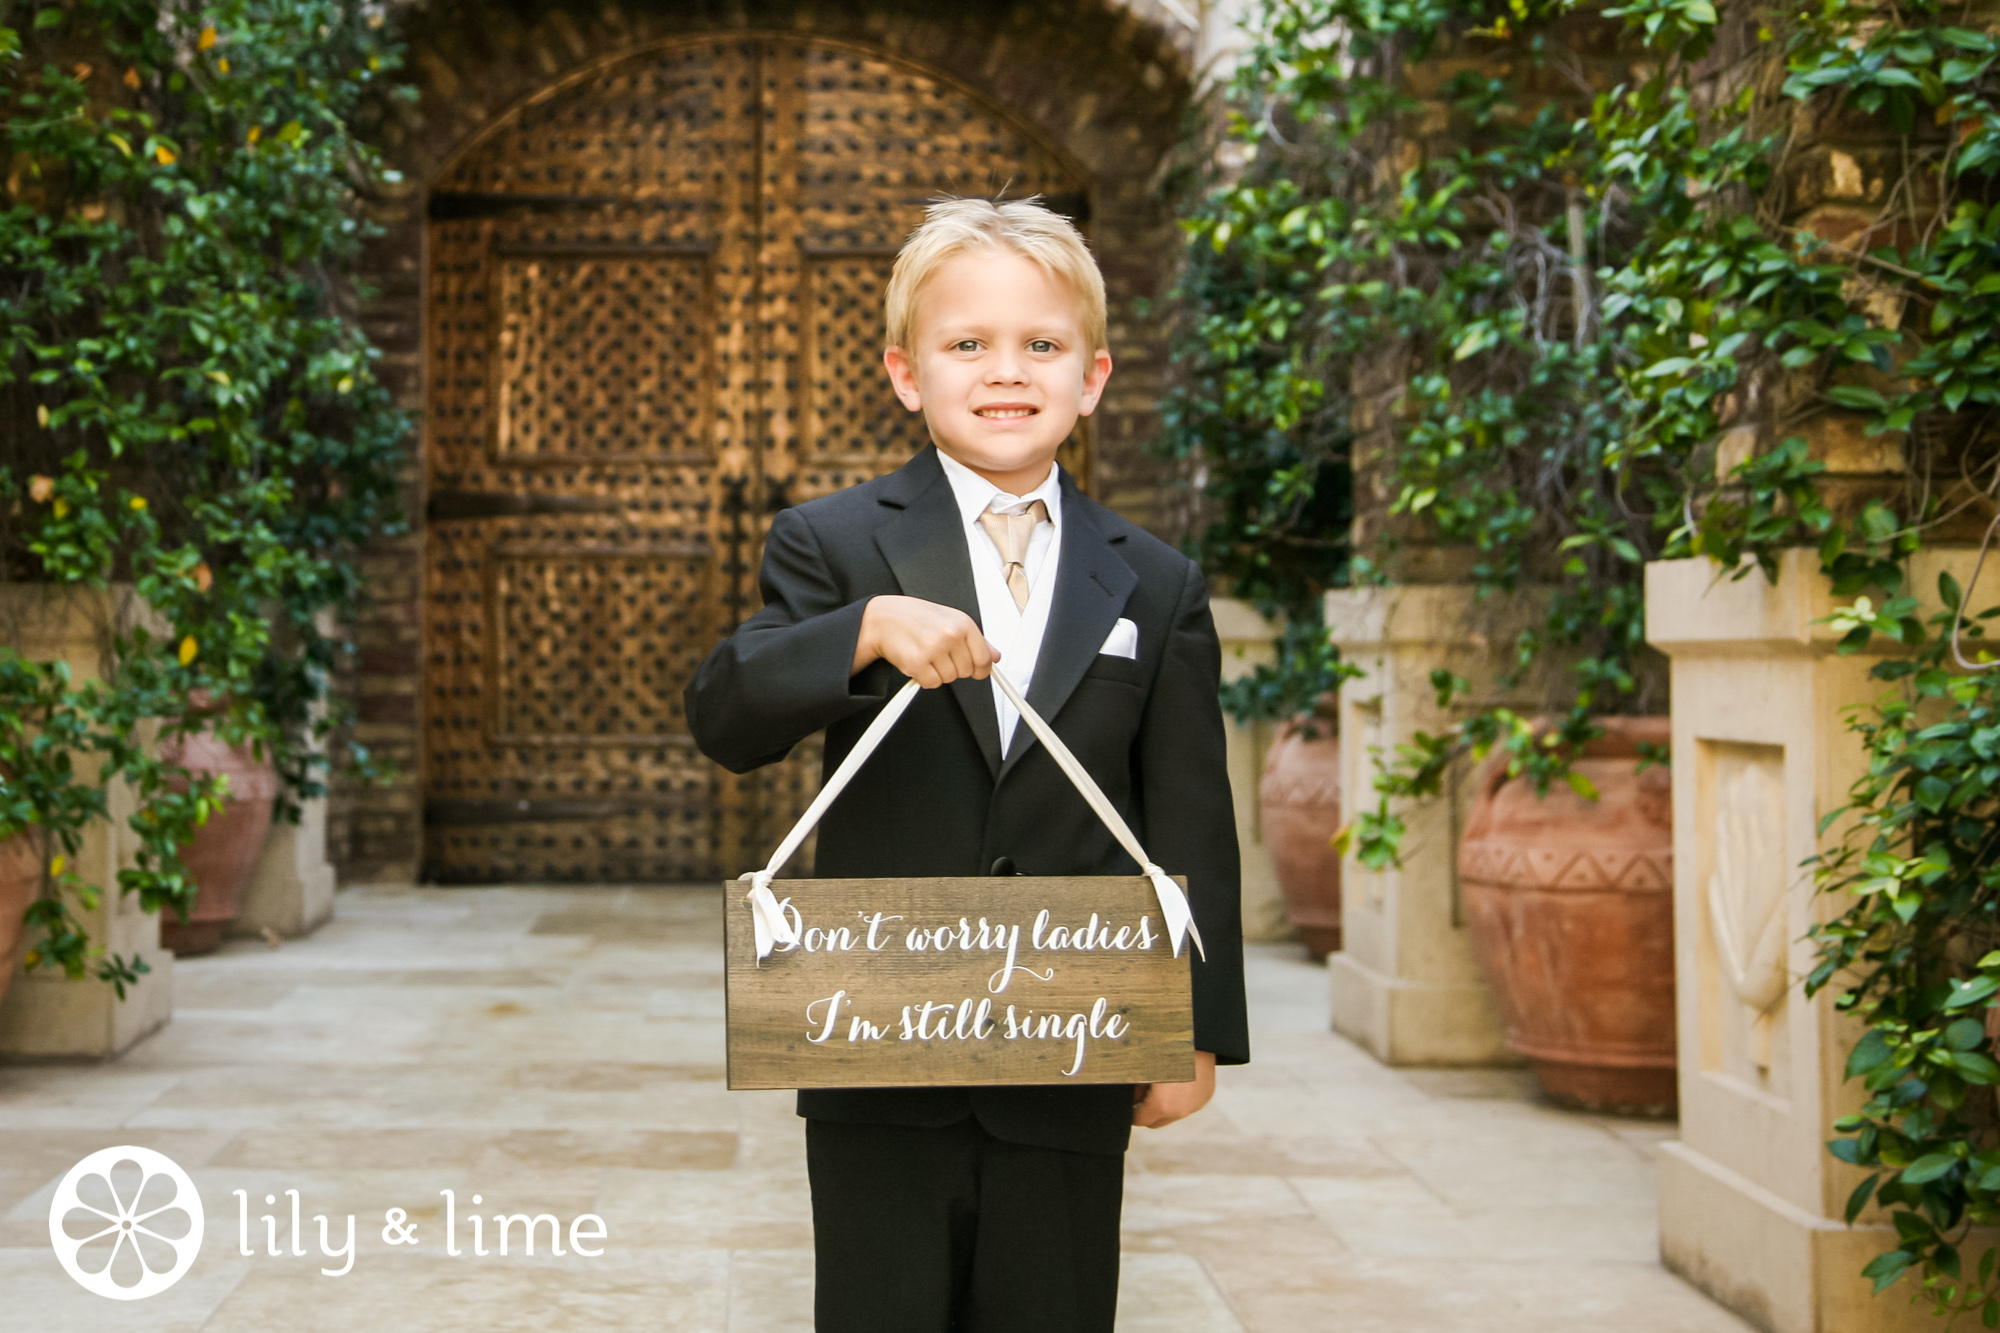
(1004, 411)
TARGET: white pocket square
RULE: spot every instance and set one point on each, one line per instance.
(1123, 641)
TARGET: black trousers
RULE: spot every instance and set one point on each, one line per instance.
(950, 1230)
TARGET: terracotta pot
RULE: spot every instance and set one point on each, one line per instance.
(221, 853)
(20, 881)
(1571, 907)
(1300, 795)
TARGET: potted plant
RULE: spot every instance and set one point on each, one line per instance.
(1570, 897)
(1299, 806)
(1299, 788)
(224, 847)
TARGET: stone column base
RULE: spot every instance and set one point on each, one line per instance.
(1752, 1204)
(45, 1014)
(1773, 1262)
(1408, 984)
(48, 1016)
(290, 890)
(1248, 641)
(1404, 1021)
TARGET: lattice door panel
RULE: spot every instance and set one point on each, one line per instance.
(654, 319)
(602, 355)
(593, 649)
(856, 428)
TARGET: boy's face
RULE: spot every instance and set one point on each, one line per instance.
(999, 367)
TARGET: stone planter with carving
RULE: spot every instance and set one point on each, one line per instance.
(221, 853)
(1300, 800)
(1571, 907)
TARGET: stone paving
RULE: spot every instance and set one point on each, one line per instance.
(560, 1051)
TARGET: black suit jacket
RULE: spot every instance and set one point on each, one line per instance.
(938, 798)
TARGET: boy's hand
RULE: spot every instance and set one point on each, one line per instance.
(931, 644)
(1156, 1105)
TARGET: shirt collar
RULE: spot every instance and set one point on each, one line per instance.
(974, 493)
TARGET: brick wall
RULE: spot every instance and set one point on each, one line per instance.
(1847, 179)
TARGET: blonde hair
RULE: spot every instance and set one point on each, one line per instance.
(953, 226)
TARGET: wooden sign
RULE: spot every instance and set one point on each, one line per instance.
(1001, 979)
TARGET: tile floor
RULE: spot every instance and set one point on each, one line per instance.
(560, 1051)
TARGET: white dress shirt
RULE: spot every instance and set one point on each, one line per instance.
(1016, 631)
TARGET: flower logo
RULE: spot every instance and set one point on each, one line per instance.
(126, 1223)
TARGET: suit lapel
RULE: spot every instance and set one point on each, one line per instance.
(1092, 586)
(925, 547)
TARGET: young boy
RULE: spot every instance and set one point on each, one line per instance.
(994, 1208)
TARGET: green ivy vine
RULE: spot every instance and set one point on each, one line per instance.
(1611, 327)
(191, 409)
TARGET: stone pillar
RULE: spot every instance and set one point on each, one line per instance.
(45, 1014)
(290, 890)
(1249, 640)
(1406, 984)
(1750, 1200)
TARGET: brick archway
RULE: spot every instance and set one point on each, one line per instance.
(1099, 91)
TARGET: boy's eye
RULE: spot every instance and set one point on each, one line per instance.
(965, 345)
(1041, 345)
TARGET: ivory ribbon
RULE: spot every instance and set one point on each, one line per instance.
(767, 911)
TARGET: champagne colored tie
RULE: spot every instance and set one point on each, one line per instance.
(1011, 534)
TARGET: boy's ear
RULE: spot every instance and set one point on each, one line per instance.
(1093, 382)
(903, 376)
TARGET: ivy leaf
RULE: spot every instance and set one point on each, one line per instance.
(1870, 1051)
(1879, 523)
(1928, 1167)
(1857, 395)
(1965, 1034)
(1967, 993)
(1476, 340)
(1976, 1068)
(1859, 1199)
(1886, 1268)
(1945, 1260)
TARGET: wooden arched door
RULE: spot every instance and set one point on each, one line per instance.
(654, 318)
